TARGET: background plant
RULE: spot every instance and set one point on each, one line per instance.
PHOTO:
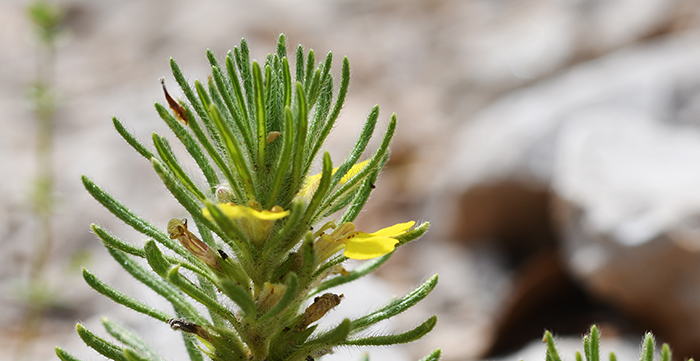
(591, 348)
(261, 244)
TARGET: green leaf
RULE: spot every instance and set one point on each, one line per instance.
(413, 234)
(364, 172)
(325, 340)
(665, 353)
(125, 336)
(166, 154)
(359, 199)
(155, 259)
(133, 142)
(193, 291)
(594, 345)
(551, 353)
(284, 159)
(104, 347)
(158, 285)
(130, 218)
(648, 346)
(330, 122)
(405, 337)
(359, 147)
(132, 355)
(65, 356)
(240, 296)
(240, 99)
(121, 298)
(396, 306)
(260, 121)
(112, 241)
(363, 270)
(433, 356)
(230, 144)
(191, 145)
(300, 132)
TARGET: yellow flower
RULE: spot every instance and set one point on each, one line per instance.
(254, 223)
(311, 183)
(360, 245)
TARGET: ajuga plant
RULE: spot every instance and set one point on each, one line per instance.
(591, 348)
(265, 241)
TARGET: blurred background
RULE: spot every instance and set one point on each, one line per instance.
(553, 145)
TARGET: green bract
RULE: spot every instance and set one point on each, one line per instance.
(254, 238)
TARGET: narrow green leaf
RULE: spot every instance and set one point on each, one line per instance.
(336, 336)
(234, 151)
(242, 56)
(433, 356)
(196, 293)
(405, 337)
(359, 147)
(240, 99)
(128, 338)
(238, 118)
(65, 356)
(261, 123)
(321, 192)
(166, 154)
(112, 241)
(121, 298)
(104, 347)
(300, 129)
(413, 234)
(285, 238)
(396, 306)
(284, 159)
(157, 284)
(665, 353)
(359, 199)
(191, 145)
(240, 296)
(594, 344)
(206, 104)
(129, 217)
(189, 93)
(613, 357)
(310, 63)
(309, 260)
(363, 270)
(155, 259)
(371, 166)
(287, 81)
(330, 122)
(133, 142)
(299, 65)
(648, 347)
(132, 355)
(551, 353)
(216, 156)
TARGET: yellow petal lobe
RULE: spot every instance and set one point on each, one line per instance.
(395, 230)
(366, 246)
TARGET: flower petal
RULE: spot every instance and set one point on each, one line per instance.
(395, 230)
(365, 246)
(352, 171)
